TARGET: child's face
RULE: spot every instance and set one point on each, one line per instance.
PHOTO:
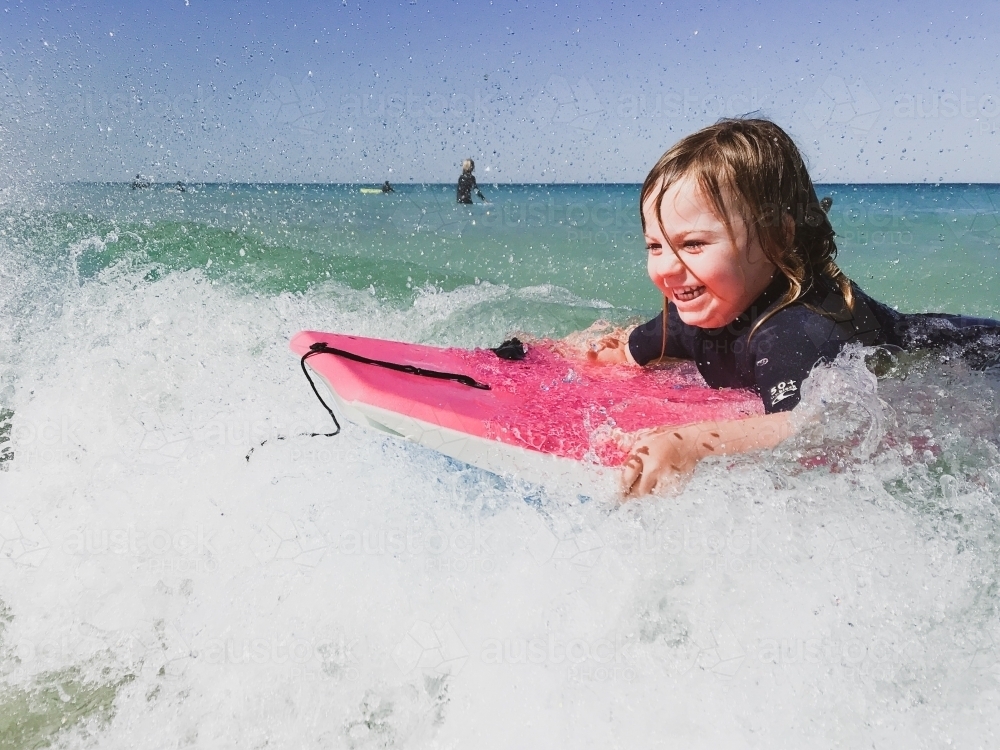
(710, 277)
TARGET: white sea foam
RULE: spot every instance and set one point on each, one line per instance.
(363, 592)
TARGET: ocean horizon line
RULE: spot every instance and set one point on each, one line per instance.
(294, 183)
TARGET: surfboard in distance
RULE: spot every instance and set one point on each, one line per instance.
(371, 190)
(544, 417)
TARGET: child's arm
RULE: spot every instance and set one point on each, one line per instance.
(662, 456)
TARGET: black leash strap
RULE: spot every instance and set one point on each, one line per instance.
(302, 364)
(512, 349)
(321, 347)
(313, 351)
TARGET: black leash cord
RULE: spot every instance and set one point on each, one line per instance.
(313, 351)
(302, 364)
(321, 347)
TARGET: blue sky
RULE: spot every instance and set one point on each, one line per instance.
(354, 91)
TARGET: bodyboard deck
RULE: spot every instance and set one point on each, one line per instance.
(542, 415)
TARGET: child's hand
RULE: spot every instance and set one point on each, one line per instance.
(663, 457)
(601, 343)
(660, 458)
(608, 350)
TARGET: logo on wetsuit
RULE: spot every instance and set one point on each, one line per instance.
(783, 390)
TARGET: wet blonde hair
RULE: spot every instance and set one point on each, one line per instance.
(468, 165)
(751, 168)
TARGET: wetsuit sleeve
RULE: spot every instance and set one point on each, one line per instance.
(645, 343)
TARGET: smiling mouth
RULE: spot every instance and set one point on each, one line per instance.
(688, 293)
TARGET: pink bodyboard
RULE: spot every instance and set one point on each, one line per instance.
(546, 403)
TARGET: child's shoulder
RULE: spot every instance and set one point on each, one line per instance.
(823, 317)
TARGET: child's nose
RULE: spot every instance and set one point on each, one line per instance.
(665, 265)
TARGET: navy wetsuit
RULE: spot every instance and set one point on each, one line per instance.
(785, 347)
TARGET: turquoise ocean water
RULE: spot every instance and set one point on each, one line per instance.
(158, 589)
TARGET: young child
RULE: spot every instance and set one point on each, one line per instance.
(743, 253)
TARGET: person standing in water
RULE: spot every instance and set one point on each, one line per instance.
(387, 188)
(467, 183)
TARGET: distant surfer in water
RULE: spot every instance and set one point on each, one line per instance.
(387, 188)
(467, 183)
(743, 253)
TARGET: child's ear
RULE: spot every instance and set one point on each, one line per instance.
(789, 223)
